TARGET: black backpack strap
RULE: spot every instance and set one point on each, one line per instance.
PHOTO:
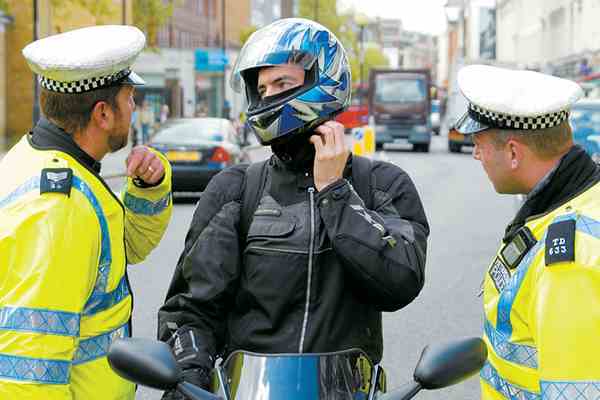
(254, 184)
(361, 179)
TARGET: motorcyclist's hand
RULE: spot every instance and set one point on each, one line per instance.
(145, 165)
(198, 376)
(331, 154)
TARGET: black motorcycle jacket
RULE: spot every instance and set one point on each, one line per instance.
(314, 273)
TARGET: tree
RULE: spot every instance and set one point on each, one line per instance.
(100, 10)
(374, 58)
(151, 15)
(4, 6)
(246, 32)
(325, 13)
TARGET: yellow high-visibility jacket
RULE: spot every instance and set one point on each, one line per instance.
(64, 292)
(542, 318)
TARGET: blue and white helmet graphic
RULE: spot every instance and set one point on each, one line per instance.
(326, 89)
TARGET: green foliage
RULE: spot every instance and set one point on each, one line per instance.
(99, 9)
(246, 32)
(151, 15)
(325, 13)
(4, 6)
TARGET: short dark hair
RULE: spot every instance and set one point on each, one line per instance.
(545, 143)
(73, 111)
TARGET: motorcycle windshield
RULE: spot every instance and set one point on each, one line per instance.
(332, 376)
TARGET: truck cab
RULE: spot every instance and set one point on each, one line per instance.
(400, 107)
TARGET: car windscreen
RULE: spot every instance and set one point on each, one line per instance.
(191, 133)
(586, 116)
(390, 90)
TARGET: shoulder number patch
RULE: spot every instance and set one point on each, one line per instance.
(56, 180)
(499, 273)
(560, 242)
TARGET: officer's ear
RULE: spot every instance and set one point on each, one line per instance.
(103, 115)
(515, 153)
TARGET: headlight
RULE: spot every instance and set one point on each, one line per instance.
(420, 129)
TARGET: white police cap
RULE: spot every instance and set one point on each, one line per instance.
(86, 59)
(513, 99)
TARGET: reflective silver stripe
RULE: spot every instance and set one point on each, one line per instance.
(44, 371)
(40, 321)
(566, 390)
(95, 347)
(516, 353)
(311, 192)
(505, 388)
(146, 207)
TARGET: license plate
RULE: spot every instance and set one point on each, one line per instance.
(183, 156)
(401, 141)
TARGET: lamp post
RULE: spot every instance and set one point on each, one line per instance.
(223, 48)
(362, 21)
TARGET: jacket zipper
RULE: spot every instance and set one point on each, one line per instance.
(311, 193)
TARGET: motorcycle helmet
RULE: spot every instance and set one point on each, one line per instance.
(295, 112)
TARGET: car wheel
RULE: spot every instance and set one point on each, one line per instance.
(378, 146)
(454, 148)
(421, 147)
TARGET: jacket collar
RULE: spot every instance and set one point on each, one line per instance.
(49, 136)
(575, 172)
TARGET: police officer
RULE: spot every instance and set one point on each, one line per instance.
(65, 237)
(330, 241)
(542, 289)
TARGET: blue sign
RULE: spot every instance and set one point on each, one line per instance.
(210, 60)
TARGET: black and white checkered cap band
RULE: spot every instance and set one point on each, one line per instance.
(505, 121)
(84, 85)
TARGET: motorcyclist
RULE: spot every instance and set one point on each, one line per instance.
(317, 264)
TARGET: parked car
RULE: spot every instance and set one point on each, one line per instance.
(585, 121)
(198, 148)
(435, 116)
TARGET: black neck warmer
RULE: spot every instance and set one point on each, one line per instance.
(296, 153)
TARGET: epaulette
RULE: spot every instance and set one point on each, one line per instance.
(560, 242)
(57, 177)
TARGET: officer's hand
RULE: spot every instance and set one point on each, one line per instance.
(144, 164)
(199, 377)
(332, 153)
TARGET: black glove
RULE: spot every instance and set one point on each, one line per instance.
(197, 376)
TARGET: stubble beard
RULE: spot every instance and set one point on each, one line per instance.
(117, 140)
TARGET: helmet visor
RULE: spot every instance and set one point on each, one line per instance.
(269, 47)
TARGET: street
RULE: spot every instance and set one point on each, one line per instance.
(467, 219)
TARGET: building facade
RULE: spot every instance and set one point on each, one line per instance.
(561, 37)
(5, 21)
(52, 17)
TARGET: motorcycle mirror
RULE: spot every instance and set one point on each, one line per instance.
(443, 365)
(145, 362)
(448, 363)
